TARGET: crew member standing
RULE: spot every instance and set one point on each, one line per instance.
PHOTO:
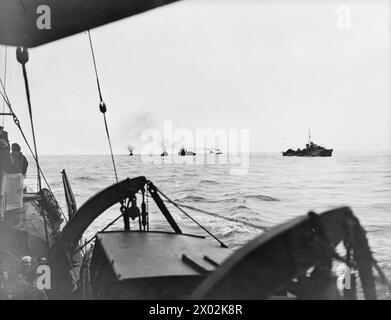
(6, 164)
(19, 160)
(4, 136)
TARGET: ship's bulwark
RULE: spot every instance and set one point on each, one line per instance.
(18, 19)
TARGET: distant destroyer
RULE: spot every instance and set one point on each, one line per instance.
(311, 150)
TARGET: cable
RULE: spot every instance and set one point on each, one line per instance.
(111, 149)
(179, 207)
(17, 123)
(102, 105)
(5, 78)
(213, 214)
(23, 57)
(4, 95)
(94, 61)
(93, 237)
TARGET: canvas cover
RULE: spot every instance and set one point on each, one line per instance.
(13, 191)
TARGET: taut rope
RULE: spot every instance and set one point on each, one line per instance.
(102, 105)
(5, 78)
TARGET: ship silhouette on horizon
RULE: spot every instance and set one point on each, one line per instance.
(311, 150)
(185, 152)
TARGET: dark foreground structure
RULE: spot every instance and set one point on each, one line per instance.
(291, 261)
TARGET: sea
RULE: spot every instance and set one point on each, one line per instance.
(270, 190)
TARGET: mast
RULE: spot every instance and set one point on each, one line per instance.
(309, 136)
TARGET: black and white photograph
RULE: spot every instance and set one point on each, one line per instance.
(209, 151)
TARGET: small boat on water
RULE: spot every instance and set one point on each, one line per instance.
(164, 154)
(291, 261)
(185, 152)
(311, 150)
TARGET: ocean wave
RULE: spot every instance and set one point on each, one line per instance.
(209, 182)
(260, 197)
(192, 198)
(234, 231)
(242, 207)
(238, 228)
(86, 178)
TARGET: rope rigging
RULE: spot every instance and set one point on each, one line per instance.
(168, 200)
(103, 110)
(102, 105)
(213, 214)
(23, 57)
(4, 93)
(17, 123)
(7, 102)
(5, 78)
(328, 252)
(144, 216)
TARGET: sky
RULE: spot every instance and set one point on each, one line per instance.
(276, 68)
